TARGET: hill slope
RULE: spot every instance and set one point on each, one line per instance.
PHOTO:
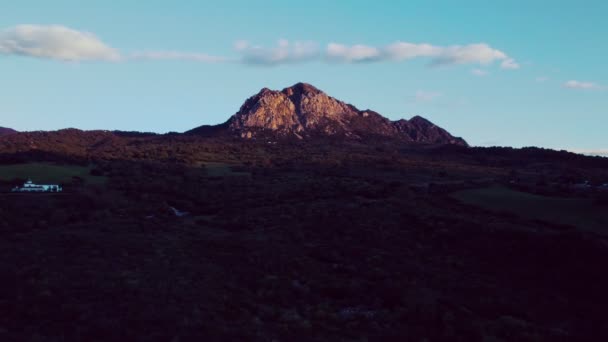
(6, 131)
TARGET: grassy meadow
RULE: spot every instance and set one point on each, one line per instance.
(583, 213)
(48, 173)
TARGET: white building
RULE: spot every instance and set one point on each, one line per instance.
(29, 186)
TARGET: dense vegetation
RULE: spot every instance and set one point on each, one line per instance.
(286, 240)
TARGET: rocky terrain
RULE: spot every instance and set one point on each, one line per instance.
(303, 111)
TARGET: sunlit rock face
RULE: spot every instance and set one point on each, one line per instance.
(268, 109)
(304, 111)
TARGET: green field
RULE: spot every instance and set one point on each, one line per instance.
(48, 173)
(579, 212)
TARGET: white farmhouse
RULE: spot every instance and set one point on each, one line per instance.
(29, 186)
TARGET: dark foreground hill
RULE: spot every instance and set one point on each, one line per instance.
(6, 131)
(300, 240)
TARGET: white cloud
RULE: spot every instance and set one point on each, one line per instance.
(426, 96)
(509, 64)
(241, 45)
(401, 51)
(55, 42)
(178, 56)
(470, 54)
(479, 72)
(62, 43)
(572, 84)
(541, 79)
(350, 54)
(285, 52)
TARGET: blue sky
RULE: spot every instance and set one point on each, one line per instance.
(518, 73)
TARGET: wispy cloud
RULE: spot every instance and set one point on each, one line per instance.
(509, 64)
(66, 44)
(179, 56)
(479, 72)
(469, 54)
(284, 53)
(55, 42)
(541, 79)
(573, 84)
(482, 54)
(352, 54)
(426, 96)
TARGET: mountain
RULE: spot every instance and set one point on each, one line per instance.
(6, 131)
(304, 111)
(419, 129)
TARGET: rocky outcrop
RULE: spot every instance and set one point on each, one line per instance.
(304, 111)
(271, 110)
(419, 129)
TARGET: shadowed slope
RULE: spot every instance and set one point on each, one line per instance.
(6, 131)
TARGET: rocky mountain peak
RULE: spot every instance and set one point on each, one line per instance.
(301, 89)
(304, 111)
(419, 120)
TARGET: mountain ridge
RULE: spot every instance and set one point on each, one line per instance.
(304, 111)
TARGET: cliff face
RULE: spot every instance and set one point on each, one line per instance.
(304, 111)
